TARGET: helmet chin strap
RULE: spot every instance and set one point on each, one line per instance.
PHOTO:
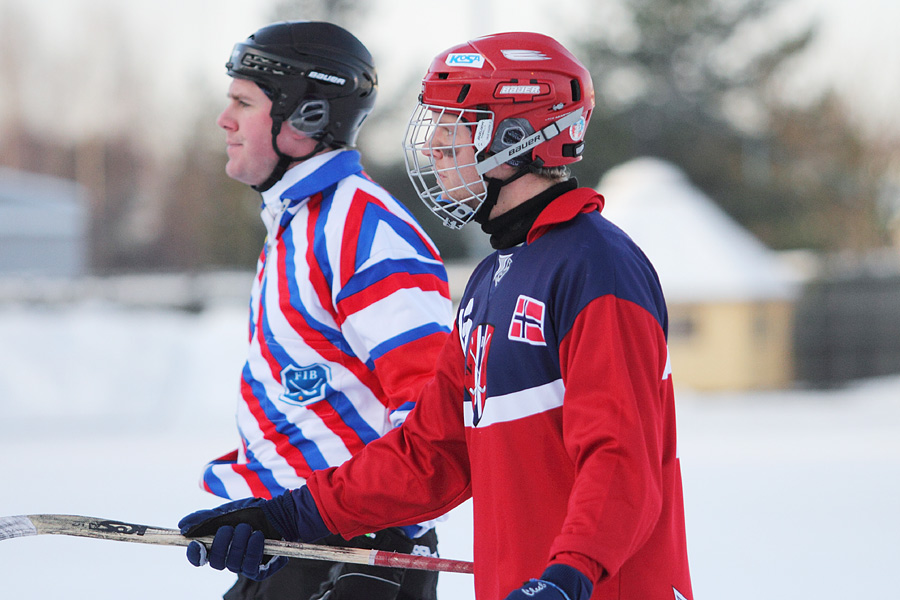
(494, 185)
(285, 160)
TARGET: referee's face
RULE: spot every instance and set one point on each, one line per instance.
(248, 133)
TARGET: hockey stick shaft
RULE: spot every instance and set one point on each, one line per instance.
(28, 525)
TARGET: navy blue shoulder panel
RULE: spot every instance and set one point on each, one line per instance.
(525, 300)
(590, 257)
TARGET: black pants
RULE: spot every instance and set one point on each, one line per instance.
(302, 579)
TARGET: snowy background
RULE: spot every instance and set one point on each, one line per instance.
(111, 411)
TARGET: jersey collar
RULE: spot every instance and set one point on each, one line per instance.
(564, 209)
(312, 176)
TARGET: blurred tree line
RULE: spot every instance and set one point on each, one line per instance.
(675, 80)
(672, 81)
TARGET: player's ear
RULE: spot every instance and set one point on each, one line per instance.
(294, 142)
(292, 132)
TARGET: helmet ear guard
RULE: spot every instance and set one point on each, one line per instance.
(510, 132)
(311, 117)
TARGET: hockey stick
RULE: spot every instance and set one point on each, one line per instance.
(28, 525)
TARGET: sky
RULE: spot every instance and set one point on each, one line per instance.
(171, 50)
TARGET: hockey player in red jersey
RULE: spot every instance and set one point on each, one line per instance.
(552, 406)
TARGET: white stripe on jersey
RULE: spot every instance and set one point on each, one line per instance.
(518, 405)
(301, 273)
(375, 323)
(235, 485)
(667, 372)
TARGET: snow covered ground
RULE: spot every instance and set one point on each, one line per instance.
(111, 412)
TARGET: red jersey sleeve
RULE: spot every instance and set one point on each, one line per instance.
(391, 482)
(613, 431)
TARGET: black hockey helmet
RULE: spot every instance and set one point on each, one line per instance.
(320, 78)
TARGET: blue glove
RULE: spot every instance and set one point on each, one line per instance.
(559, 582)
(240, 529)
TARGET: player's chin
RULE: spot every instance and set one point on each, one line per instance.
(465, 196)
(235, 171)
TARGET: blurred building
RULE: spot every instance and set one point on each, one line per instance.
(847, 324)
(43, 225)
(731, 301)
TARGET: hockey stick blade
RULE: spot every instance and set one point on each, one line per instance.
(105, 529)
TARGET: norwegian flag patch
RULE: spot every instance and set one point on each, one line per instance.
(527, 324)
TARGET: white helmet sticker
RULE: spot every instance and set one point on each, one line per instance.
(524, 55)
(473, 61)
(483, 134)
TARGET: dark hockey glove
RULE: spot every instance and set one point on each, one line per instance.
(240, 529)
(559, 582)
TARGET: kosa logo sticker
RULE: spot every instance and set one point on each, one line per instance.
(476, 369)
(527, 323)
(305, 385)
(474, 61)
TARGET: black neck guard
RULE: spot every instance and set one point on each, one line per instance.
(512, 227)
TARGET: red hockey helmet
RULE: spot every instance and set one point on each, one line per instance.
(529, 97)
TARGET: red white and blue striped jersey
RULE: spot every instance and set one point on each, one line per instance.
(348, 311)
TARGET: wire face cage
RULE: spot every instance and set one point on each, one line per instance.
(441, 149)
